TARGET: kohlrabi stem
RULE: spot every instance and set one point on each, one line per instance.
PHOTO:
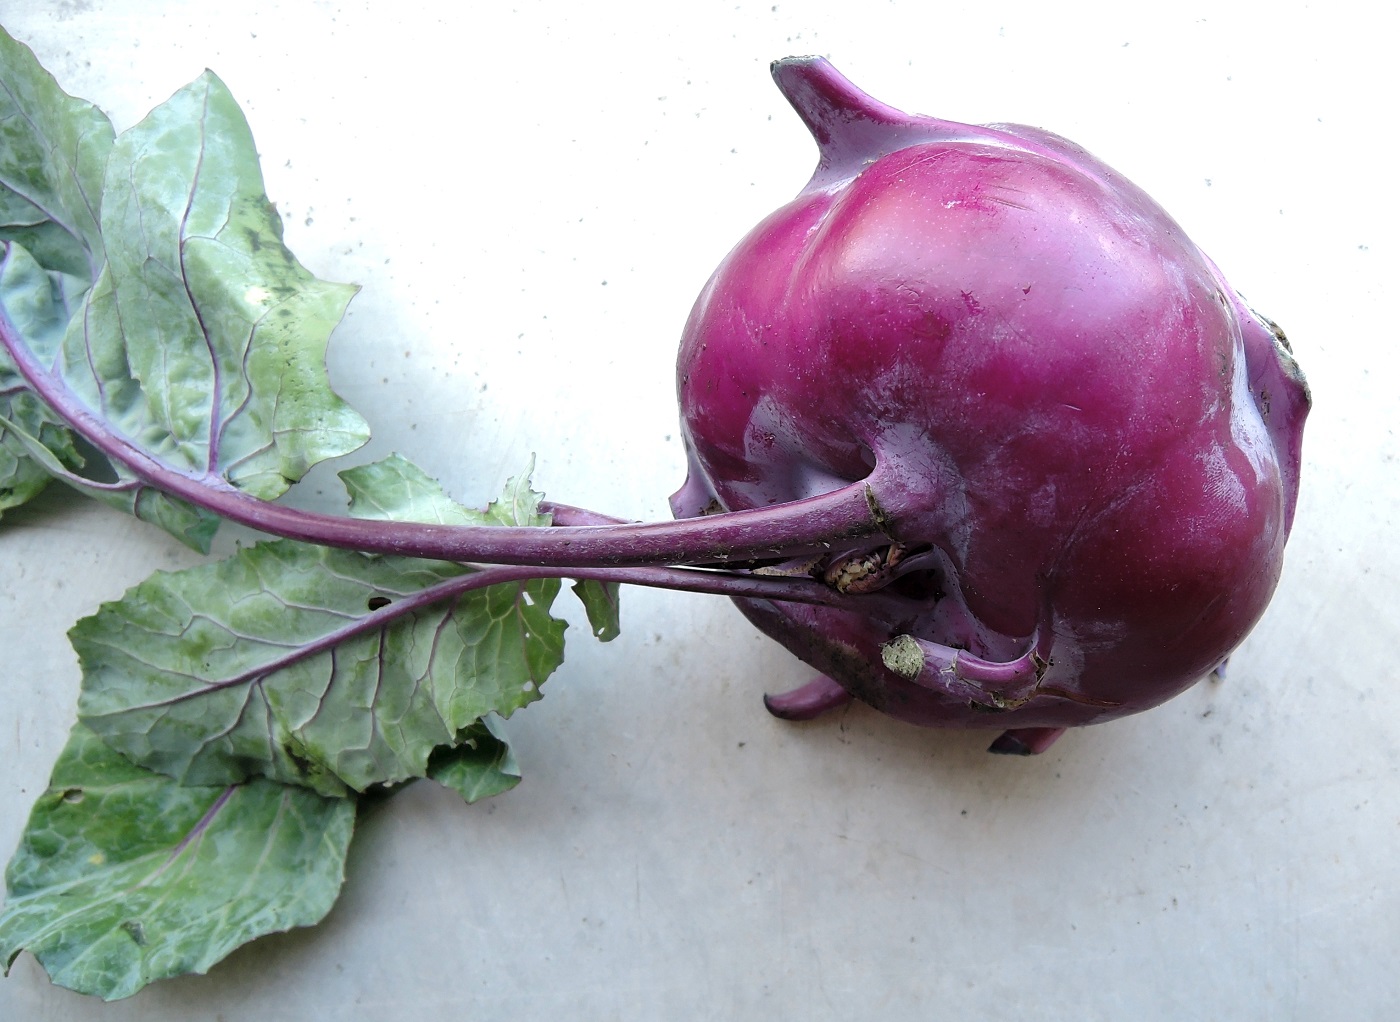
(682, 579)
(781, 531)
(964, 675)
(745, 585)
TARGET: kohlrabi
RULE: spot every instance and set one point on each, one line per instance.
(973, 429)
(1100, 440)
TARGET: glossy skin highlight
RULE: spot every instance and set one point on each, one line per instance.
(1104, 438)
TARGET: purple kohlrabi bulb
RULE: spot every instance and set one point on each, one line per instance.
(1100, 438)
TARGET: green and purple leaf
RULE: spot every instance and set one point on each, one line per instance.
(200, 346)
(316, 666)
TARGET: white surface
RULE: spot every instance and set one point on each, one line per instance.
(674, 853)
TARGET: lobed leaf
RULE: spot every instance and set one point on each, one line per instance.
(316, 666)
(123, 876)
(213, 330)
(200, 341)
(293, 662)
(21, 478)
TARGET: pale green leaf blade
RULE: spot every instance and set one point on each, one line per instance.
(310, 665)
(124, 876)
(519, 503)
(201, 343)
(601, 604)
(52, 247)
(34, 303)
(396, 490)
(38, 305)
(35, 444)
(32, 452)
(203, 311)
(53, 155)
(21, 478)
(480, 766)
(50, 450)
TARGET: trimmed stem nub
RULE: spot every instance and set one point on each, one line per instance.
(1001, 685)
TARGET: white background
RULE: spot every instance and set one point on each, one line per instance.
(532, 194)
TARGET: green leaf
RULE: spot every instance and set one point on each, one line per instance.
(600, 603)
(53, 154)
(123, 877)
(203, 309)
(34, 443)
(24, 429)
(201, 343)
(294, 662)
(52, 451)
(21, 478)
(480, 766)
(52, 246)
(316, 666)
(397, 490)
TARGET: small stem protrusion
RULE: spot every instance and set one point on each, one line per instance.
(1001, 685)
(805, 702)
(851, 127)
(1025, 741)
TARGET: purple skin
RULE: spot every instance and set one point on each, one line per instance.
(1106, 438)
(1008, 450)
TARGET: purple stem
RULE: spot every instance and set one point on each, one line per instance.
(683, 579)
(965, 676)
(781, 531)
(808, 701)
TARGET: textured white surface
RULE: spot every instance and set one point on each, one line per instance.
(532, 194)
